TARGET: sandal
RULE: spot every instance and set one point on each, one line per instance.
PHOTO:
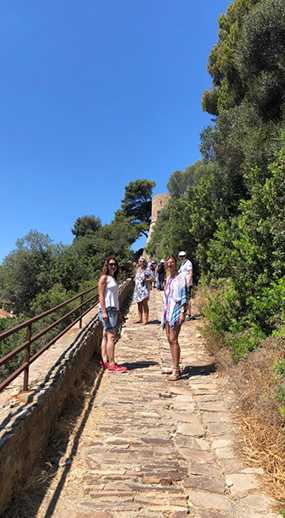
(166, 370)
(175, 374)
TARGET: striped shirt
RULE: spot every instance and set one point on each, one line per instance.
(172, 309)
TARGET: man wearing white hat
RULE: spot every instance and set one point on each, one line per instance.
(187, 269)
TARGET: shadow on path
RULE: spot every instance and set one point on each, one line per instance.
(197, 370)
(50, 510)
(138, 365)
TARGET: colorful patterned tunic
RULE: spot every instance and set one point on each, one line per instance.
(142, 288)
(174, 298)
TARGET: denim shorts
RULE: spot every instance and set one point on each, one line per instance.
(112, 322)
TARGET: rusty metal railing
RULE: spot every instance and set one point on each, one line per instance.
(30, 339)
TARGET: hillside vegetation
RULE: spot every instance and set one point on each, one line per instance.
(40, 274)
(228, 212)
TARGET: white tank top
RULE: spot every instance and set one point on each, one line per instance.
(111, 296)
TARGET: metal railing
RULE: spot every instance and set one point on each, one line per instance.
(30, 339)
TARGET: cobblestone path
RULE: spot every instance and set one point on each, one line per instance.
(155, 449)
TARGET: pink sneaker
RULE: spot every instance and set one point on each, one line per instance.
(104, 364)
(116, 368)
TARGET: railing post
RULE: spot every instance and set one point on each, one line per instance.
(26, 346)
(81, 311)
(27, 357)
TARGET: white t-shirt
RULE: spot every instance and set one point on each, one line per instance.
(111, 296)
(185, 268)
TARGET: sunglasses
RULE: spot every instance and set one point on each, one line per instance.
(112, 264)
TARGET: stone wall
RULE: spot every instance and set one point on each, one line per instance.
(157, 203)
(26, 429)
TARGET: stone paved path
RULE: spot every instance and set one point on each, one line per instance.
(154, 449)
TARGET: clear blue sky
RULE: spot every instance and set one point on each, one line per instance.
(94, 95)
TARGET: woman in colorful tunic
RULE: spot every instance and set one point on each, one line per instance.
(143, 281)
(173, 316)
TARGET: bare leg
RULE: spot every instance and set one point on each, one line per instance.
(189, 307)
(104, 347)
(140, 311)
(146, 310)
(172, 336)
(111, 338)
(188, 312)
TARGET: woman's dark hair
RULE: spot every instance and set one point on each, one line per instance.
(171, 256)
(105, 270)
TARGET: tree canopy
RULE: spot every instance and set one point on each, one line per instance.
(228, 218)
(39, 272)
(28, 270)
(227, 86)
(136, 205)
(86, 226)
(180, 181)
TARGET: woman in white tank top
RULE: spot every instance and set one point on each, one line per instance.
(109, 313)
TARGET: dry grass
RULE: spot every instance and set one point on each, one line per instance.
(258, 416)
(259, 419)
(29, 495)
(264, 447)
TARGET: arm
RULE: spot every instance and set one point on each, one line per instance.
(183, 303)
(120, 318)
(182, 314)
(189, 278)
(135, 269)
(148, 275)
(101, 290)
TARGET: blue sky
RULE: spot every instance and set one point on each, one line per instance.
(94, 95)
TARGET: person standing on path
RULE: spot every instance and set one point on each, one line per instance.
(109, 313)
(160, 275)
(187, 269)
(153, 269)
(143, 280)
(173, 315)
